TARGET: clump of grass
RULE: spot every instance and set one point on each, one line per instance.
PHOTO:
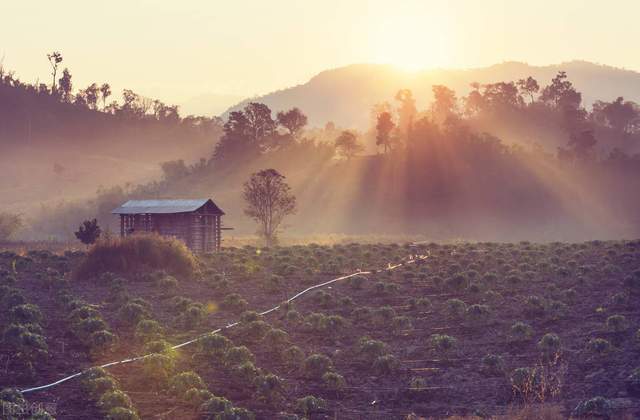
(135, 254)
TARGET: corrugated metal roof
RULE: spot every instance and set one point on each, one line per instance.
(163, 206)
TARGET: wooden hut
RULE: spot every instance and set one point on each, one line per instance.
(196, 222)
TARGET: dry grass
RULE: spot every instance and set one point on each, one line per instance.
(136, 254)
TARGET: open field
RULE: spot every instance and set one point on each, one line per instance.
(473, 329)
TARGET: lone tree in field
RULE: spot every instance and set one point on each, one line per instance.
(269, 200)
(347, 145)
(88, 232)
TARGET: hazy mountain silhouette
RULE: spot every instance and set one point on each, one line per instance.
(345, 95)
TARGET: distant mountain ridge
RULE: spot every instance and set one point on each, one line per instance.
(345, 95)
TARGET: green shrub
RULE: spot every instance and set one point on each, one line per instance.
(245, 374)
(137, 253)
(193, 316)
(234, 303)
(276, 340)
(401, 323)
(83, 312)
(148, 330)
(310, 405)
(293, 356)
(255, 331)
(443, 344)
(477, 313)
(101, 342)
(132, 313)
(386, 364)
(213, 406)
(549, 345)
(156, 370)
(524, 379)
(26, 314)
(333, 382)
(180, 304)
(159, 346)
(11, 395)
(196, 397)
(617, 323)
(520, 332)
(98, 386)
(214, 345)
(534, 306)
(370, 350)
(316, 365)
(598, 407)
(167, 283)
(599, 346)
(185, 381)
(269, 388)
(239, 355)
(456, 308)
(383, 316)
(114, 399)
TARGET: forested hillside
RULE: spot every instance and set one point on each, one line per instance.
(59, 141)
(449, 170)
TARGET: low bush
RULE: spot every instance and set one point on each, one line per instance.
(549, 345)
(520, 331)
(293, 356)
(456, 308)
(269, 388)
(598, 407)
(245, 374)
(599, 346)
(492, 364)
(148, 330)
(386, 364)
(114, 399)
(132, 313)
(181, 383)
(214, 345)
(443, 345)
(137, 254)
(316, 365)
(156, 370)
(234, 303)
(214, 406)
(369, 350)
(239, 355)
(26, 314)
(310, 405)
(334, 382)
(617, 323)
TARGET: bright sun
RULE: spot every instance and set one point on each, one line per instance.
(407, 43)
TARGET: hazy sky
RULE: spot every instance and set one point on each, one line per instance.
(178, 49)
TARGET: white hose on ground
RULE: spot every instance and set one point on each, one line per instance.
(412, 259)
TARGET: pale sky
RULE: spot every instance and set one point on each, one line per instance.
(175, 50)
